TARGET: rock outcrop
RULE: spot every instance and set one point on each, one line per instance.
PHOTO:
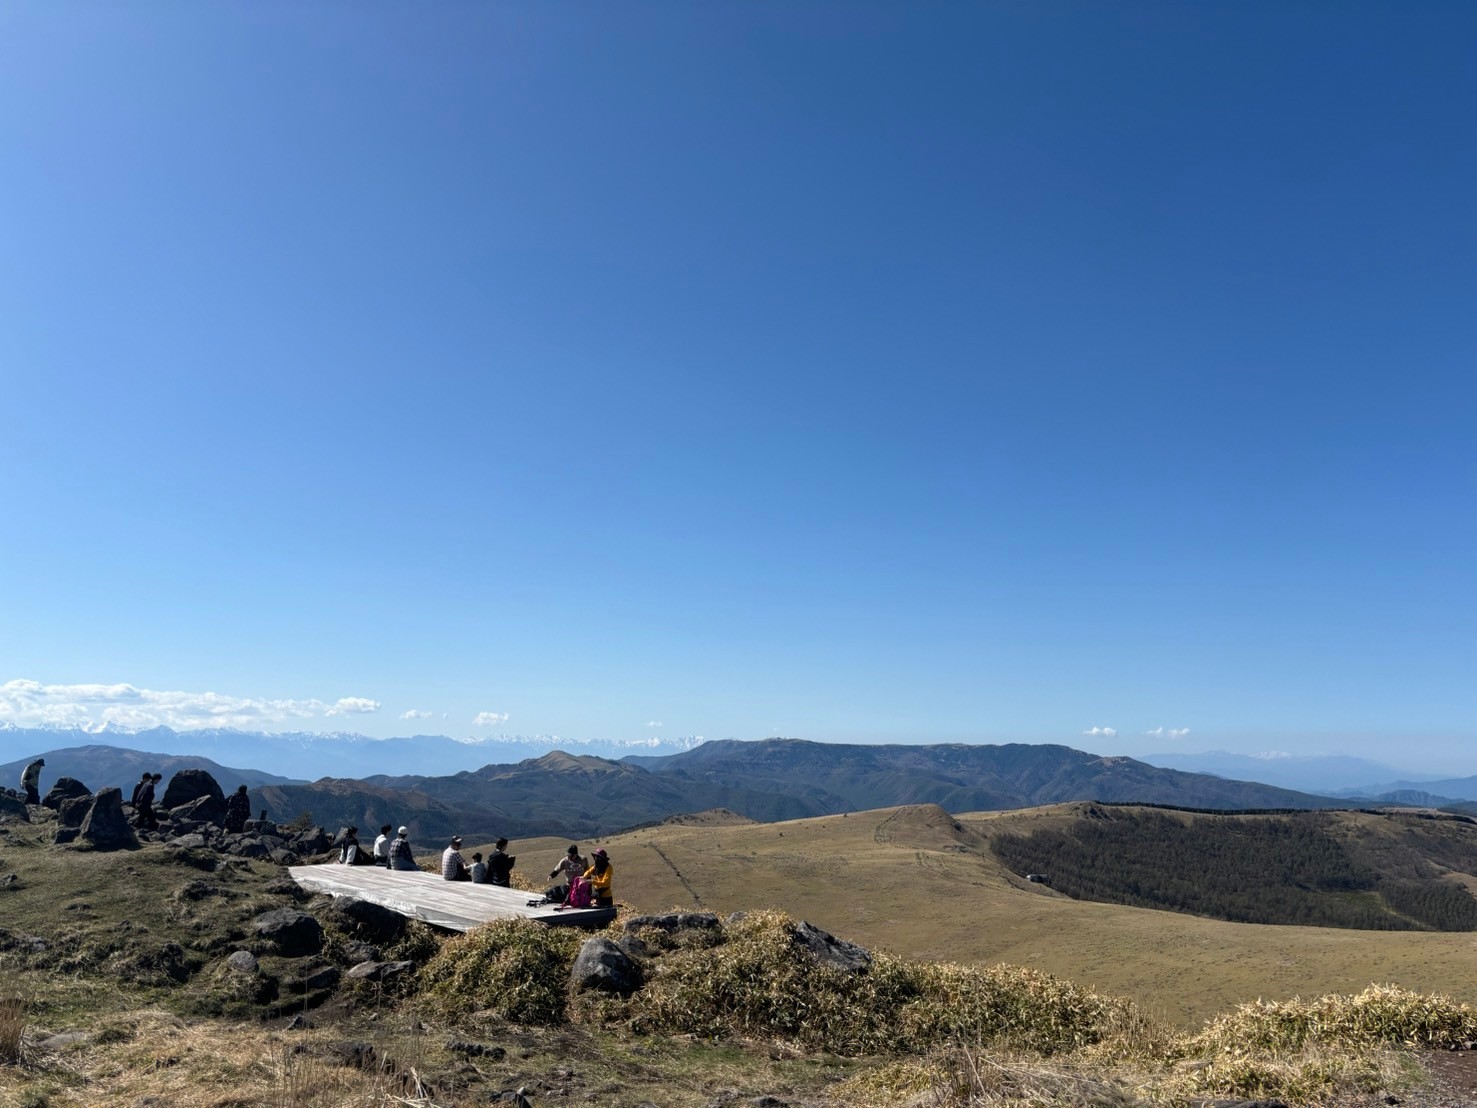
(105, 827)
(189, 785)
(66, 788)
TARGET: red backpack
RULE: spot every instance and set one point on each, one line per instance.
(579, 894)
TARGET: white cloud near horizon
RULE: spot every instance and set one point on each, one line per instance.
(1107, 732)
(94, 707)
(489, 719)
(1169, 732)
(417, 713)
(653, 723)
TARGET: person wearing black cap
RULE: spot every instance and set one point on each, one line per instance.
(453, 868)
(30, 778)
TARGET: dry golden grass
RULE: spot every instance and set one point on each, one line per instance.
(12, 1029)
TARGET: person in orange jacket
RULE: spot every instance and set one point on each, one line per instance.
(598, 875)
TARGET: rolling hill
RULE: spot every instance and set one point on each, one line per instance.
(838, 777)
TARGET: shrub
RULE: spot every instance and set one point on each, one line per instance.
(1379, 1015)
(12, 1029)
(759, 982)
(515, 968)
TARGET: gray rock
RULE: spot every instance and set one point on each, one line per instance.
(379, 971)
(293, 933)
(603, 965)
(71, 812)
(300, 1022)
(250, 848)
(283, 857)
(11, 808)
(830, 951)
(65, 1039)
(189, 842)
(242, 961)
(189, 785)
(324, 977)
(372, 923)
(315, 841)
(105, 827)
(356, 952)
(66, 788)
(675, 921)
(260, 827)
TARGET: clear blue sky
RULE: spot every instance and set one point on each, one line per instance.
(883, 373)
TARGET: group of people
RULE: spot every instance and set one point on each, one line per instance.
(583, 883)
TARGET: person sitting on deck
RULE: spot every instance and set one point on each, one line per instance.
(572, 865)
(400, 856)
(350, 852)
(500, 865)
(452, 866)
(598, 875)
(238, 811)
(382, 846)
(479, 869)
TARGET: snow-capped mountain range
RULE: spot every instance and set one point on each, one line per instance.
(308, 755)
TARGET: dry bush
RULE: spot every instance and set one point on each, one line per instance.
(516, 968)
(12, 1030)
(1380, 1014)
(760, 983)
(1317, 1073)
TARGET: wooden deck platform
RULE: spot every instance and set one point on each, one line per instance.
(455, 905)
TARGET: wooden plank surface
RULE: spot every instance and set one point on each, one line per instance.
(455, 905)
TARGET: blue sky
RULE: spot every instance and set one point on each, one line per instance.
(879, 373)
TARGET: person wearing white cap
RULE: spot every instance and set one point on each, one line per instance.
(400, 855)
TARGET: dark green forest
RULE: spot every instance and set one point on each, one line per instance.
(1287, 870)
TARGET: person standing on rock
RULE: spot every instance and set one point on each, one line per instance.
(400, 856)
(238, 811)
(133, 800)
(30, 779)
(144, 817)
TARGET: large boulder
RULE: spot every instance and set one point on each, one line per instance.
(830, 951)
(105, 827)
(189, 785)
(603, 965)
(293, 933)
(66, 788)
(11, 808)
(201, 810)
(71, 812)
(372, 923)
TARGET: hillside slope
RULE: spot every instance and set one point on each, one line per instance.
(839, 777)
(98, 766)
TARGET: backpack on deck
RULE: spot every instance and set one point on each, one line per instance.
(579, 894)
